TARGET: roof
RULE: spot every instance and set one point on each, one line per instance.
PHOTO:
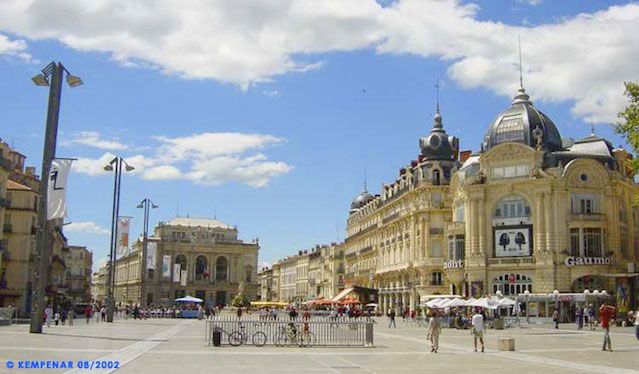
(591, 145)
(11, 185)
(198, 222)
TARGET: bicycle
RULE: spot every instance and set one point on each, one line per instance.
(290, 335)
(239, 337)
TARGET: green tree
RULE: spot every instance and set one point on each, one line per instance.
(629, 125)
(240, 301)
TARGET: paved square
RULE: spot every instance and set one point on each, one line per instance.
(167, 345)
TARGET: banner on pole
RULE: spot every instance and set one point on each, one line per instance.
(166, 266)
(176, 273)
(183, 278)
(122, 231)
(151, 254)
(57, 189)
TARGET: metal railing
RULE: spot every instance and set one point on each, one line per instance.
(316, 331)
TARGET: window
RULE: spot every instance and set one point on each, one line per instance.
(512, 207)
(584, 203)
(574, 242)
(436, 178)
(512, 284)
(459, 213)
(510, 129)
(201, 268)
(221, 269)
(436, 249)
(586, 242)
(436, 279)
(456, 247)
(510, 171)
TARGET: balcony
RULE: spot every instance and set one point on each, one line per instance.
(511, 260)
(588, 217)
(5, 203)
(7, 227)
(436, 231)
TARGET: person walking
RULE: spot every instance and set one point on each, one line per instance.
(63, 316)
(478, 329)
(606, 315)
(580, 318)
(87, 313)
(103, 313)
(391, 317)
(591, 317)
(70, 316)
(56, 317)
(48, 315)
(434, 330)
(555, 317)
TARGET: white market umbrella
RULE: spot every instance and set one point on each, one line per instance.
(188, 299)
(484, 303)
(454, 303)
(506, 302)
(434, 302)
(372, 305)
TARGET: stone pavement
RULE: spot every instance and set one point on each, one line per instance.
(167, 345)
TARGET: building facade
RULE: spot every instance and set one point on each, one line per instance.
(189, 256)
(79, 262)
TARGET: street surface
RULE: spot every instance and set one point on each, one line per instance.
(170, 345)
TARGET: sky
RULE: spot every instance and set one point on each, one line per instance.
(267, 113)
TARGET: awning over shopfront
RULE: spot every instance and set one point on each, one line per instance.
(343, 294)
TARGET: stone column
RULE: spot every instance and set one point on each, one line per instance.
(538, 224)
(470, 229)
(481, 232)
(548, 220)
(411, 300)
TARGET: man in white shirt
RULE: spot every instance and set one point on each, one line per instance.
(478, 329)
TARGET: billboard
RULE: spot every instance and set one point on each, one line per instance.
(513, 241)
(166, 266)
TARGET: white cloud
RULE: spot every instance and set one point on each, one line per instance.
(14, 48)
(582, 59)
(530, 2)
(271, 93)
(88, 227)
(95, 140)
(208, 158)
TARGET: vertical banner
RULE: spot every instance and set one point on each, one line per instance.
(166, 266)
(151, 254)
(176, 273)
(57, 190)
(122, 231)
(183, 278)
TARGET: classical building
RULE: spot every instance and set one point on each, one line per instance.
(79, 262)
(195, 256)
(98, 285)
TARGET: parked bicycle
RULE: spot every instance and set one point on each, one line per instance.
(291, 335)
(240, 336)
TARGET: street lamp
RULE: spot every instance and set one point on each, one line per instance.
(146, 204)
(51, 76)
(115, 165)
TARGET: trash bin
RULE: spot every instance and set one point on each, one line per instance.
(499, 324)
(217, 337)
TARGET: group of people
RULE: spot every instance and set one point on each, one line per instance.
(58, 316)
(435, 328)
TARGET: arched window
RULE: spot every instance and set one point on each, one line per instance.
(512, 284)
(512, 207)
(221, 269)
(181, 259)
(436, 177)
(201, 268)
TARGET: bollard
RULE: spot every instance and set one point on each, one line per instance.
(506, 344)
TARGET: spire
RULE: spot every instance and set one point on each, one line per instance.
(437, 120)
(592, 127)
(521, 97)
(365, 187)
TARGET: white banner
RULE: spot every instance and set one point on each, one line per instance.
(183, 278)
(57, 189)
(122, 236)
(166, 266)
(176, 273)
(151, 254)
(512, 242)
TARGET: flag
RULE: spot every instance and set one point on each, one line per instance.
(166, 266)
(57, 189)
(123, 234)
(183, 278)
(176, 273)
(151, 254)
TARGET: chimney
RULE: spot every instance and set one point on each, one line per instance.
(463, 156)
(30, 171)
(299, 253)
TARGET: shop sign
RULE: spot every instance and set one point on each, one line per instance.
(587, 261)
(454, 264)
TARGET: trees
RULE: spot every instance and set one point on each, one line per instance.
(629, 125)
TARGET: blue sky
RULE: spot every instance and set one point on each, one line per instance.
(272, 122)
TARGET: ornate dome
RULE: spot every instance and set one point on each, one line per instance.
(523, 123)
(438, 145)
(361, 200)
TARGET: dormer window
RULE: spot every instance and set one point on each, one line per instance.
(510, 171)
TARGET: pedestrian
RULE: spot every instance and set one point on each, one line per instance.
(434, 330)
(87, 313)
(63, 316)
(56, 317)
(478, 329)
(103, 313)
(48, 315)
(239, 313)
(555, 318)
(70, 316)
(580, 318)
(606, 315)
(391, 317)
(591, 317)
(584, 313)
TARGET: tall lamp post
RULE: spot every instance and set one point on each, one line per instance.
(51, 76)
(146, 204)
(116, 166)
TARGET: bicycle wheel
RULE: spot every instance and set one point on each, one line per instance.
(259, 339)
(306, 339)
(235, 338)
(282, 339)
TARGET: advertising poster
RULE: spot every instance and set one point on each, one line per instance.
(176, 273)
(166, 266)
(512, 241)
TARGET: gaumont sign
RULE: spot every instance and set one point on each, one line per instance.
(454, 264)
(586, 261)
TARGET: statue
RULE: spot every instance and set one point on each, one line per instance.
(538, 134)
